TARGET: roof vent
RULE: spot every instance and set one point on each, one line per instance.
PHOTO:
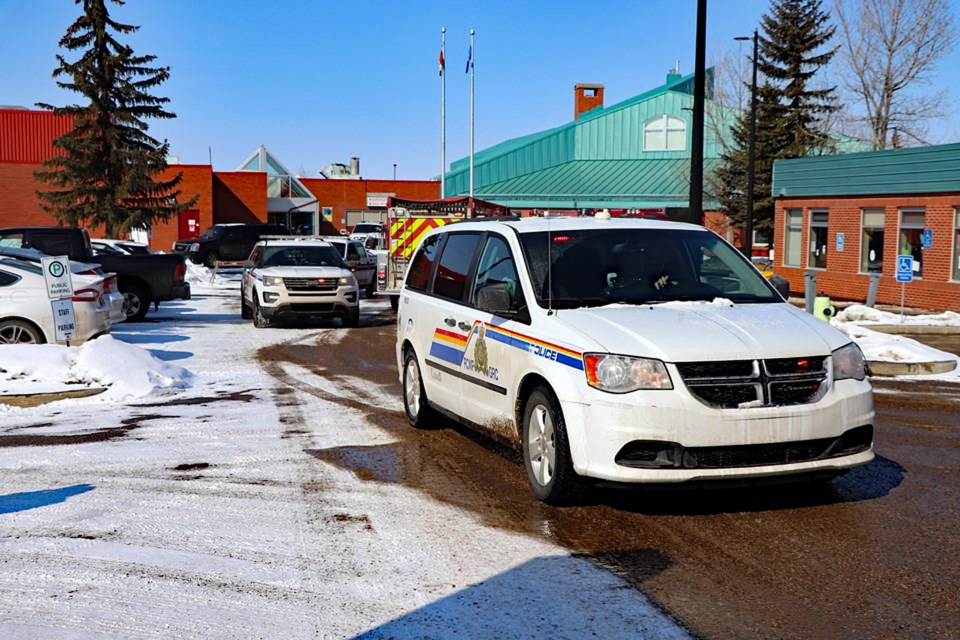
(586, 97)
(674, 74)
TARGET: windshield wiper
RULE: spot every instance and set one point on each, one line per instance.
(576, 303)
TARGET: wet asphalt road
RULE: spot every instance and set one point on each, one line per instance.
(875, 553)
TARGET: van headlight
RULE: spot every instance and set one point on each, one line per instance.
(622, 374)
(348, 281)
(272, 281)
(849, 363)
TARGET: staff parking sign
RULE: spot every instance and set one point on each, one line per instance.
(56, 273)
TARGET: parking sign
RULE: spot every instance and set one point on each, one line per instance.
(926, 239)
(839, 242)
(56, 273)
(904, 268)
(64, 323)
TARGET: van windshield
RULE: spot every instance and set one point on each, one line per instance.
(366, 228)
(637, 266)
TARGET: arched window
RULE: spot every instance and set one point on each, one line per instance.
(664, 133)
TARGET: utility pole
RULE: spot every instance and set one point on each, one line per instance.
(699, 82)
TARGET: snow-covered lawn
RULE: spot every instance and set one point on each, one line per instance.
(199, 513)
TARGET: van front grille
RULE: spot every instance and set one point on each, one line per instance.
(776, 382)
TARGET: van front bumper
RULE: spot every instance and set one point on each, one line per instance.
(670, 437)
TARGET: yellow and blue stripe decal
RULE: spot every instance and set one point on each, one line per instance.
(448, 346)
(535, 347)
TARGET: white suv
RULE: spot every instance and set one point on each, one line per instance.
(293, 277)
(629, 351)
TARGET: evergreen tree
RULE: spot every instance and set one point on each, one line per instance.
(790, 109)
(110, 170)
(794, 37)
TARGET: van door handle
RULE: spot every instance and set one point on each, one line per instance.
(450, 322)
(464, 326)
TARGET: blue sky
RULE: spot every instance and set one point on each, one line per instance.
(319, 82)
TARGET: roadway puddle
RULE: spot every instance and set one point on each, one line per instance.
(100, 435)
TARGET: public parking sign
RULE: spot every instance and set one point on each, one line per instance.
(56, 273)
(904, 268)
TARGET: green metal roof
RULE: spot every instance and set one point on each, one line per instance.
(934, 169)
(607, 135)
(598, 183)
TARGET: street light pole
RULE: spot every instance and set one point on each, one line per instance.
(696, 136)
(394, 170)
(751, 160)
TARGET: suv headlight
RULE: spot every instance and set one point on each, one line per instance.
(272, 281)
(849, 363)
(194, 248)
(622, 374)
(348, 281)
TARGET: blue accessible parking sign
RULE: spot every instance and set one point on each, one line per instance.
(904, 268)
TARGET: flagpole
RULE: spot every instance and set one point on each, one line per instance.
(443, 114)
(473, 62)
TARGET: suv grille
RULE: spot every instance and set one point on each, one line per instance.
(311, 284)
(775, 382)
(181, 247)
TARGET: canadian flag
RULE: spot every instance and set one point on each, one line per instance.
(441, 61)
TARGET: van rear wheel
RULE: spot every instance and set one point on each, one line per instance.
(415, 403)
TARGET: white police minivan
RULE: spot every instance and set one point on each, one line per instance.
(628, 351)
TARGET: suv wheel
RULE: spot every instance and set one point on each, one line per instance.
(352, 319)
(260, 321)
(245, 313)
(211, 259)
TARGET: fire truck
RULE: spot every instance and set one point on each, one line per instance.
(409, 220)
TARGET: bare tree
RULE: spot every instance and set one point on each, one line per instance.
(890, 47)
(303, 171)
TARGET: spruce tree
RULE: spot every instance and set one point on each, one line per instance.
(794, 35)
(110, 170)
(794, 46)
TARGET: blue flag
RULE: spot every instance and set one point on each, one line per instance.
(469, 60)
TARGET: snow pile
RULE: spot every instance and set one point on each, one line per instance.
(721, 302)
(126, 370)
(202, 279)
(882, 347)
(866, 315)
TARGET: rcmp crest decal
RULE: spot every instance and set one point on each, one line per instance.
(480, 352)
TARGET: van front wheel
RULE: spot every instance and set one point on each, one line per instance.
(546, 451)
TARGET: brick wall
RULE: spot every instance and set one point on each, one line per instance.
(240, 196)
(843, 280)
(345, 195)
(197, 180)
(19, 205)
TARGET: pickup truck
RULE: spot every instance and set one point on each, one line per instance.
(141, 279)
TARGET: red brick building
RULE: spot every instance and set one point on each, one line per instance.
(248, 195)
(850, 216)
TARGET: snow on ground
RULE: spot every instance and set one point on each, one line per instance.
(203, 515)
(855, 322)
(861, 314)
(127, 371)
(203, 281)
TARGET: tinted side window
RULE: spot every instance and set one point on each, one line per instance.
(52, 244)
(457, 255)
(232, 234)
(495, 267)
(255, 256)
(419, 273)
(7, 279)
(352, 252)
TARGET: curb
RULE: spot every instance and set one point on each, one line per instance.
(914, 329)
(37, 399)
(888, 369)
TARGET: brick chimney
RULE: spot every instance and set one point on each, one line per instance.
(586, 97)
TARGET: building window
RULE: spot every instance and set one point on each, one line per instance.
(791, 257)
(912, 222)
(817, 256)
(871, 244)
(956, 245)
(664, 133)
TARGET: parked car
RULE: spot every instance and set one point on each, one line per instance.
(26, 316)
(142, 279)
(111, 291)
(361, 262)
(298, 278)
(361, 230)
(226, 242)
(120, 247)
(629, 351)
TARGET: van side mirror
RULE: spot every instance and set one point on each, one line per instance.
(496, 299)
(249, 264)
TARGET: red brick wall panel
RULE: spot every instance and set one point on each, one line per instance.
(842, 278)
(240, 196)
(344, 195)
